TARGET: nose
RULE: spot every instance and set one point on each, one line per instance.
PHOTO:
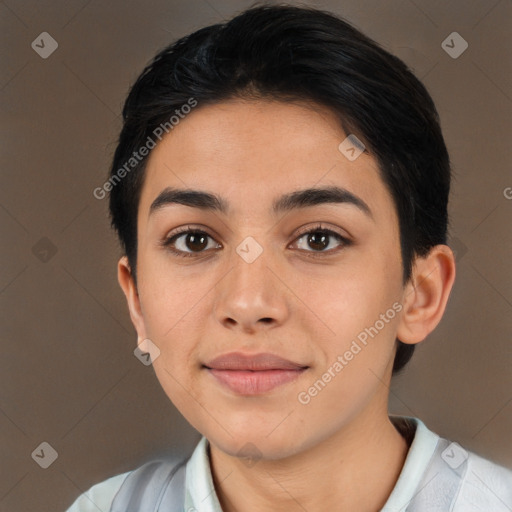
(251, 297)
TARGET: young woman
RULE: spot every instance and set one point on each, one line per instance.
(280, 190)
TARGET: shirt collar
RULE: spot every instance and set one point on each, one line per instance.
(418, 457)
(200, 492)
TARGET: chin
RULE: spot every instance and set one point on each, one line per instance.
(254, 442)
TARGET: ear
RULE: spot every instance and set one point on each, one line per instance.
(127, 283)
(426, 294)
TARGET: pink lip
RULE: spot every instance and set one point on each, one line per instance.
(255, 374)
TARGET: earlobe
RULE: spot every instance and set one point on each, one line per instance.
(127, 283)
(426, 294)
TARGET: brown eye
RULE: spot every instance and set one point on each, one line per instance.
(321, 240)
(196, 241)
(190, 242)
(318, 240)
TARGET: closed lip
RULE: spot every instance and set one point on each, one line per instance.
(252, 362)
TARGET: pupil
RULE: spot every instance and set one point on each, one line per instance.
(199, 239)
(318, 244)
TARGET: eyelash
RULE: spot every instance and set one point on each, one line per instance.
(167, 242)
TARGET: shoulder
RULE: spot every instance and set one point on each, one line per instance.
(485, 486)
(113, 492)
(440, 475)
(100, 496)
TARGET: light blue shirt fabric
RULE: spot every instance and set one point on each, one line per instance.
(485, 487)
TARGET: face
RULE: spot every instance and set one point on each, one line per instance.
(276, 317)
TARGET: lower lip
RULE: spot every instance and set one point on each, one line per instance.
(245, 382)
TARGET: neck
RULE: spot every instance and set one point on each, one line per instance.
(355, 469)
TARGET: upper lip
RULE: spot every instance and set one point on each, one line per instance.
(254, 362)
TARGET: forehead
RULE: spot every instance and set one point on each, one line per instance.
(255, 151)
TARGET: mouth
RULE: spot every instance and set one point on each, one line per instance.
(253, 374)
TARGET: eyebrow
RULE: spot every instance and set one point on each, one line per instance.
(294, 200)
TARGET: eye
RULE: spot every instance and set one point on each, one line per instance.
(189, 242)
(321, 240)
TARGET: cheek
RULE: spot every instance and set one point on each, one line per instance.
(174, 317)
(362, 316)
(171, 299)
(361, 311)
(352, 301)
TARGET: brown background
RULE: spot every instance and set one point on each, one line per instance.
(68, 375)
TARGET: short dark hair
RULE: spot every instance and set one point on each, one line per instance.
(291, 53)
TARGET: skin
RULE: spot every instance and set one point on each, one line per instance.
(340, 451)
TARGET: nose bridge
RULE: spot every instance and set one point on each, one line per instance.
(250, 294)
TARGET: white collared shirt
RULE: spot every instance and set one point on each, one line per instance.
(485, 486)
